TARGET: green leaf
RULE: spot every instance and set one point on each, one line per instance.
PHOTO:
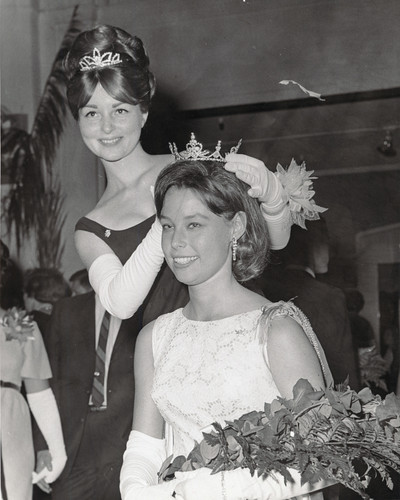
(389, 410)
(209, 452)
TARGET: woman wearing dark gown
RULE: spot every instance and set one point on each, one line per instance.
(109, 92)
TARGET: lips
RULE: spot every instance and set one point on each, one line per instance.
(183, 261)
(110, 142)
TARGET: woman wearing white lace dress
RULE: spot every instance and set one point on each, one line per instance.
(227, 352)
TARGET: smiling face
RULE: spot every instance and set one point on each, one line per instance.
(195, 241)
(110, 129)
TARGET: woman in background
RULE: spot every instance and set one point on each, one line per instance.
(24, 360)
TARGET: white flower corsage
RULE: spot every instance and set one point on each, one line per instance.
(18, 325)
(297, 187)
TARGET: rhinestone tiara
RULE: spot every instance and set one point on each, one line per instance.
(99, 61)
(194, 151)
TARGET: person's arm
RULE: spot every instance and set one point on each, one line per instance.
(291, 356)
(43, 405)
(145, 451)
(121, 288)
(265, 186)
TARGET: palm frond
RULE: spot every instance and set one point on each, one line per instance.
(50, 116)
(25, 177)
(33, 204)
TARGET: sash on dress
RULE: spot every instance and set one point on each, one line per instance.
(283, 308)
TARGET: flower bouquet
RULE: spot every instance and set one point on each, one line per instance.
(335, 434)
(18, 325)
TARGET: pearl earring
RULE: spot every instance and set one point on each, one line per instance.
(234, 248)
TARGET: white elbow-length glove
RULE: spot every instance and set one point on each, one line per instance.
(123, 288)
(143, 458)
(44, 408)
(265, 186)
(239, 484)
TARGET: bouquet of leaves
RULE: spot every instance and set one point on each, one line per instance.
(372, 367)
(18, 325)
(335, 434)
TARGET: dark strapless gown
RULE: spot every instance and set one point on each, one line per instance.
(167, 293)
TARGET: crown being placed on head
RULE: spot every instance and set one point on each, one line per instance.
(99, 61)
(194, 151)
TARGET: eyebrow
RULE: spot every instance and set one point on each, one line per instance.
(187, 217)
(94, 106)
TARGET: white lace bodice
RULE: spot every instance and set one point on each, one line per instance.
(207, 371)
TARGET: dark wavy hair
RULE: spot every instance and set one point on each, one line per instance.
(46, 285)
(11, 281)
(225, 195)
(130, 81)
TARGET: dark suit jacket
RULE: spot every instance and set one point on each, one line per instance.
(42, 319)
(71, 349)
(325, 307)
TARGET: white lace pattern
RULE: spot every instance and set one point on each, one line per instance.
(207, 371)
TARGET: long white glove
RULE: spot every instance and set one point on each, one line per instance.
(44, 408)
(143, 458)
(122, 289)
(265, 186)
(239, 484)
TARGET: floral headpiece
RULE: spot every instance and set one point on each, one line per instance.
(195, 152)
(97, 60)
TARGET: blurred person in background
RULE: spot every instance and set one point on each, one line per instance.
(372, 367)
(24, 361)
(79, 282)
(43, 287)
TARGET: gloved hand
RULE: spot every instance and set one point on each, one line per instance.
(44, 408)
(263, 183)
(43, 460)
(239, 484)
(265, 186)
(143, 458)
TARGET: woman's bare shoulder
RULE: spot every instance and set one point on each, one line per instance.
(144, 339)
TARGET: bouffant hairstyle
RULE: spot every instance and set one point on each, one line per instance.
(225, 195)
(130, 81)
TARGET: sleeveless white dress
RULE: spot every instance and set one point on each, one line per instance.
(207, 371)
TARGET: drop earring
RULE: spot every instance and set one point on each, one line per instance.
(234, 248)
